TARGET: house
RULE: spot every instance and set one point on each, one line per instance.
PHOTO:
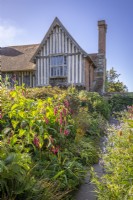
(57, 60)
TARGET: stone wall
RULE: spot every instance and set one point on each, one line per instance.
(100, 73)
(58, 81)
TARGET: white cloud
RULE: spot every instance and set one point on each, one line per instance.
(9, 34)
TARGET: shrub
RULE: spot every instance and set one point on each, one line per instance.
(40, 138)
(119, 102)
(95, 103)
(86, 151)
(15, 176)
(117, 182)
(91, 124)
(43, 92)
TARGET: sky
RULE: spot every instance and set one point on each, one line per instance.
(27, 21)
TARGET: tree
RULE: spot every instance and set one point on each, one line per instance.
(112, 82)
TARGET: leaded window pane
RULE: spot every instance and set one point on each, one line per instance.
(52, 71)
(57, 71)
(58, 65)
(65, 60)
(26, 80)
(61, 71)
(65, 70)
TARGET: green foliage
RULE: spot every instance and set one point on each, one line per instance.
(44, 189)
(90, 124)
(86, 151)
(95, 103)
(43, 93)
(44, 144)
(117, 183)
(112, 82)
(120, 102)
(14, 168)
(4, 82)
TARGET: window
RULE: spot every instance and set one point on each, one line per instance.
(65, 70)
(65, 60)
(56, 60)
(58, 66)
(26, 78)
(61, 70)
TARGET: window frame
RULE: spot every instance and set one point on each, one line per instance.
(58, 66)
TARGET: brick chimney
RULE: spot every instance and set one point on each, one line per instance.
(100, 72)
(102, 27)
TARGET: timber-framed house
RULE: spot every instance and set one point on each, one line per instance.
(57, 60)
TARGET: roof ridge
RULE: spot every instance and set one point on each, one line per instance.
(22, 45)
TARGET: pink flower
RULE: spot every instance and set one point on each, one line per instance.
(55, 111)
(130, 109)
(46, 120)
(71, 111)
(64, 111)
(66, 103)
(36, 141)
(61, 121)
(66, 132)
(55, 150)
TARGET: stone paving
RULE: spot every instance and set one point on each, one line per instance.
(87, 189)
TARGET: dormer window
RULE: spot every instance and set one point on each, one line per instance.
(58, 66)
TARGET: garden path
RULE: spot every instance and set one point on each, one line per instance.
(86, 190)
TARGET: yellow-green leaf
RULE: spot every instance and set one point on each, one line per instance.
(21, 132)
(14, 106)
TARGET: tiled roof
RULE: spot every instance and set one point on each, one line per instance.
(18, 58)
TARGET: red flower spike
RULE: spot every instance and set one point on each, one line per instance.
(46, 120)
(55, 150)
(64, 111)
(55, 111)
(36, 141)
(66, 132)
(61, 121)
(71, 111)
(66, 103)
